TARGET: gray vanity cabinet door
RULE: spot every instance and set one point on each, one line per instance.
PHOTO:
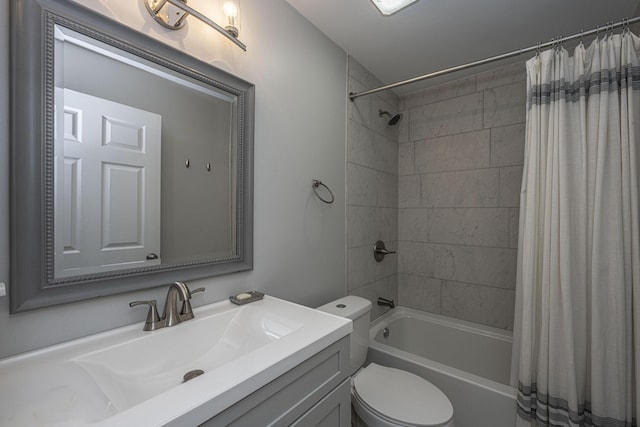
(334, 410)
(306, 395)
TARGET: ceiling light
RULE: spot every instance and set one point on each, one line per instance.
(389, 7)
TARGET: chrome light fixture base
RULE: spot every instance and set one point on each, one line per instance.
(232, 30)
(172, 14)
(166, 14)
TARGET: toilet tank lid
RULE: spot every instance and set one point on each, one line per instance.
(350, 307)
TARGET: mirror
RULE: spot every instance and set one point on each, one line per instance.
(131, 161)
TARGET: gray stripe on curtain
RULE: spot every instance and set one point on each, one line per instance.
(552, 411)
(607, 81)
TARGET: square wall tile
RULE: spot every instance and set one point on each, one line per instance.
(505, 105)
(362, 225)
(480, 304)
(360, 267)
(471, 150)
(405, 158)
(510, 186)
(507, 145)
(514, 227)
(457, 115)
(470, 226)
(471, 188)
(476, 265)
(369, 187)
(403, 126)
(502, 76)
(413, 225)
(409, 191)
(441, 92)
(415, 258)
(368, 148)
(421, 293)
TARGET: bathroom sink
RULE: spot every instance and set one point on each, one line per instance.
(130, 377)
(134, 371)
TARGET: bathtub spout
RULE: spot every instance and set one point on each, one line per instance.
(386, 302)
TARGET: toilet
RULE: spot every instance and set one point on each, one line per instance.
(383, 396)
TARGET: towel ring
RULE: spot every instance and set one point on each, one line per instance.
(317, 183)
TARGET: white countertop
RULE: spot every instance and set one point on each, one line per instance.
(52, 387)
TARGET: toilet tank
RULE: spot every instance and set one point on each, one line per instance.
(358, 310)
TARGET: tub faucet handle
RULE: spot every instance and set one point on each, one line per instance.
(379, 251)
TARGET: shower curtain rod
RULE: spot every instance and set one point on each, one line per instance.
(610, 26)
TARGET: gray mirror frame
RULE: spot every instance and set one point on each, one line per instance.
(32, 283)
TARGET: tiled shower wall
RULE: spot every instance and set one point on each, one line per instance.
(372, 190)
(461, 149)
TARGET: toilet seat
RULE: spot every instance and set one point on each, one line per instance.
(401, 397)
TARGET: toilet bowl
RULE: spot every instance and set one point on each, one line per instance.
(384, 396)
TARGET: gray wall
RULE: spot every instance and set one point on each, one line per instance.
(372, 189)
(460, 167)
(299, 242)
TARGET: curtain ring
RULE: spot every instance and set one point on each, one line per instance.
(317, 183)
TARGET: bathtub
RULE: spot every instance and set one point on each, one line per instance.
(470, 363)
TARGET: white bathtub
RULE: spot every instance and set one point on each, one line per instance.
(470, 363)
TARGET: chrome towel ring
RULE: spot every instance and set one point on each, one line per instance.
(317, 183)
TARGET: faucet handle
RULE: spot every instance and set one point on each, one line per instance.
(153, 319)
(187, 312)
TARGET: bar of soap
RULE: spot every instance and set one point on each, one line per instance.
(243, 296)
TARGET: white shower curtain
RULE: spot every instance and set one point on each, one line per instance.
(576, 354)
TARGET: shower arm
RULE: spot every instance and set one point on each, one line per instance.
(610, 26)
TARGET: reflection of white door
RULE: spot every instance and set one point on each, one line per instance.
(107, 185)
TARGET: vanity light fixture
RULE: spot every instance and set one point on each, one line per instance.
(173, 13)
(389, 7)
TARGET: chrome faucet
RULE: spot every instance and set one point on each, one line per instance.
(171, 316)
(386, 302)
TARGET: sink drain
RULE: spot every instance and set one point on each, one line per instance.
(192, 374)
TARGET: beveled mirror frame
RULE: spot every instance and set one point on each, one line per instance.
(32, 282)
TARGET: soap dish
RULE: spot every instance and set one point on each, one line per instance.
(246, 297)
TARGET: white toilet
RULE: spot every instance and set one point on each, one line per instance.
(383, 396)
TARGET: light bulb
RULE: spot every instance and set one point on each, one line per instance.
(230, 9)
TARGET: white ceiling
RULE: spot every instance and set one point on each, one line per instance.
(431, 35)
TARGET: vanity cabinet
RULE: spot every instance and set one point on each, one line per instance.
(317, 392)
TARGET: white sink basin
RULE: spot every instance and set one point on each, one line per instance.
(130, 377)
(136, 370)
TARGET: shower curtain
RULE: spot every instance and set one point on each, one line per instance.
(576, 354)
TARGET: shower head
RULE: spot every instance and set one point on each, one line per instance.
(393, 118)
